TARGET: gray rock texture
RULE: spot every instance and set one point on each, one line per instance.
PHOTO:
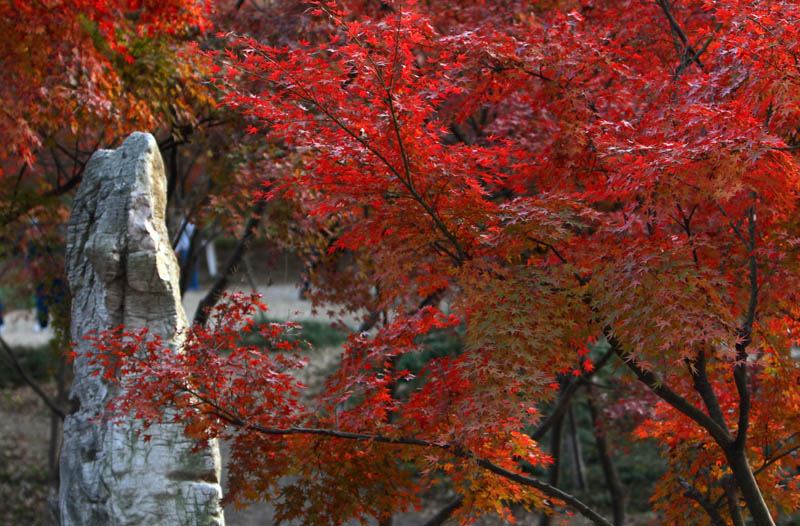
(122, 270)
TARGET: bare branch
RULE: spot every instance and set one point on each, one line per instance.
(210, 299)
(30, 381)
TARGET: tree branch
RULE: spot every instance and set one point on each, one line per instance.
(210, 299)
(28, 380)
(774, 459)
(694, 494)
(565, 396)
(694, 57)
(720, 435)
(745, 336)
(445, 513)
(699, 374)
(454, 450)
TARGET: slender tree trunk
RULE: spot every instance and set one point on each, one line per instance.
(249, 274)
(575, 452)
(615, 487)
(210, 299)
(555, 468)
(188, 267)
(54, 445)
(172, 177)
(746, 482)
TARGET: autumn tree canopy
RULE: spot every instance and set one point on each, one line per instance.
(549, 176)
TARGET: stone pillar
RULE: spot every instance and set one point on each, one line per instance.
(122, 270)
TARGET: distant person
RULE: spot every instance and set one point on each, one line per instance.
(49, 293)
(2, 322)
(44, 256)
(182, 249)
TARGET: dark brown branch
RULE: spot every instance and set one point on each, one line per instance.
(454, 450)
(694, 494)
(693, 56)
(719, 434)
(776, 458)
(565, 396)
(210, 299)
(28, 380)
(582, 280)
(673, 23)
(547, 489)
(443, 514)
(745, 337)
(699, 374)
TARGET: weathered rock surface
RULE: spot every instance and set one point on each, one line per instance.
(122, 270)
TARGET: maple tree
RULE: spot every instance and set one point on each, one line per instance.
(78, 76)
(65, 62)
(562, 173)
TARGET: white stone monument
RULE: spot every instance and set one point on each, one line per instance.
(122, 270)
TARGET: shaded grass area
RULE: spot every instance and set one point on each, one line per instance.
(16, 297)
(39, 362)
(318, 334)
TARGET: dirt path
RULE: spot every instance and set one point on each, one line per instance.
(283, 301)
(20, 329)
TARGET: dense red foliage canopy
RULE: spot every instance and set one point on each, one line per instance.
(63, 63)
(555, 173)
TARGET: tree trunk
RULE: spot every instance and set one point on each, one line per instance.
(213, 295)
(55, 420)
(189, 265)
(746, 481)
(555, 452)
(576, 454)
(615, 487)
